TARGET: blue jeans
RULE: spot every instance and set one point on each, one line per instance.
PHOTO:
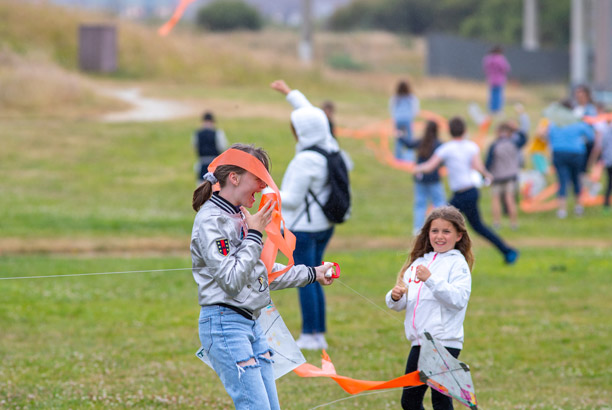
(467, 202)
(402, 152)
(309, 249)
(568, 166)
(424, 193)
(608, 187)
(496, 98)
(230, 339)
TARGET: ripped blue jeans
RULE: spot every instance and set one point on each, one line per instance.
(241, 357)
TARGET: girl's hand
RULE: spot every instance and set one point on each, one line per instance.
(422, 273)
(397, 292)
(320, 270)
(261, 219)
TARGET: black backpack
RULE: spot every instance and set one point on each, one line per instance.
(336, 209)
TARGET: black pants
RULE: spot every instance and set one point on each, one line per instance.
(608, 188)
(412, 397)
(467, 203)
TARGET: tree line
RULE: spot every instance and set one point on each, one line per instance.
(496, 21)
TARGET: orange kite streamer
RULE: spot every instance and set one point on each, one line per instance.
(355, 386)
(178, 13)
(279, 237)
(598, 118)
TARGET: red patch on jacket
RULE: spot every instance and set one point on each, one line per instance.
(223, 246)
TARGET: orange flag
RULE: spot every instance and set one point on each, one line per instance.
(178, 13)
(279, 237)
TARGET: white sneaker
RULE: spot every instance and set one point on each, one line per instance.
(561, 214)
(307, 341)
(579, 210)
(320, 338)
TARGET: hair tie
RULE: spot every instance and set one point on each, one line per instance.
(210, 177)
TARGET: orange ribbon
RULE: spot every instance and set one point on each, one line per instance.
(279, 237)
(598, 118)
(355, 386)
(178, 13)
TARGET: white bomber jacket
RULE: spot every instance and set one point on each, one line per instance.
(226, 262)
(437, 305)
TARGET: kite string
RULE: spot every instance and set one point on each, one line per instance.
(354, 396)
(92, 274)
(371, 301)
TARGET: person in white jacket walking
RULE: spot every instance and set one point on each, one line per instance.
(434, 287)
(306, 175)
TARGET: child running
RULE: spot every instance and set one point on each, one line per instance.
(434, 288)
(226, 245)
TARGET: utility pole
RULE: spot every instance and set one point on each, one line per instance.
(602, 70)
(531, 32)
(305, 47)
(578, 46)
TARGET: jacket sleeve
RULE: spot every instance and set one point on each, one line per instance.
(235, 270)
(298, 179)
(399, 305)
(520, 139)
(416, 106)
(297, 276)
(220, 140)
(588, 132)
(297, 99)
(454, 293)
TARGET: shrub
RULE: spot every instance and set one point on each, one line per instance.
(225, 15)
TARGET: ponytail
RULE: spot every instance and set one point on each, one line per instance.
(201, 195)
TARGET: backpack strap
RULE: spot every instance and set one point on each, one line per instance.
(321, 151)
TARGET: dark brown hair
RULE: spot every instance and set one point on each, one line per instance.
(422, 245)
(586, 90)
(505, 127)
(204, 191)
(456, 127)
(403, 88)
(428, 143)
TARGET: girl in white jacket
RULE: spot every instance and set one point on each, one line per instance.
(434, 287)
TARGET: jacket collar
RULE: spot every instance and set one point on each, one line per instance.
(431, 254)
(224, 204)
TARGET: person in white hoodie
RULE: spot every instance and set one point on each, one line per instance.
(434, 287)
(306, 175)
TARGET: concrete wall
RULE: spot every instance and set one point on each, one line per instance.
(458, 57)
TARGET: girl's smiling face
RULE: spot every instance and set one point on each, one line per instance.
(443, 235)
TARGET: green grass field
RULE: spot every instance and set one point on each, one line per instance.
(81, 196)
(536, 333)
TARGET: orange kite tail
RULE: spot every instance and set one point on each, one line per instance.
(178, 13)
(354, 386)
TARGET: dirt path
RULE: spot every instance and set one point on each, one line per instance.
(145, 109)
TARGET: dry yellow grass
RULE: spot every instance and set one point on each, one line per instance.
(32, 85)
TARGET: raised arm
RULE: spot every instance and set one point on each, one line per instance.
(280, 86)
